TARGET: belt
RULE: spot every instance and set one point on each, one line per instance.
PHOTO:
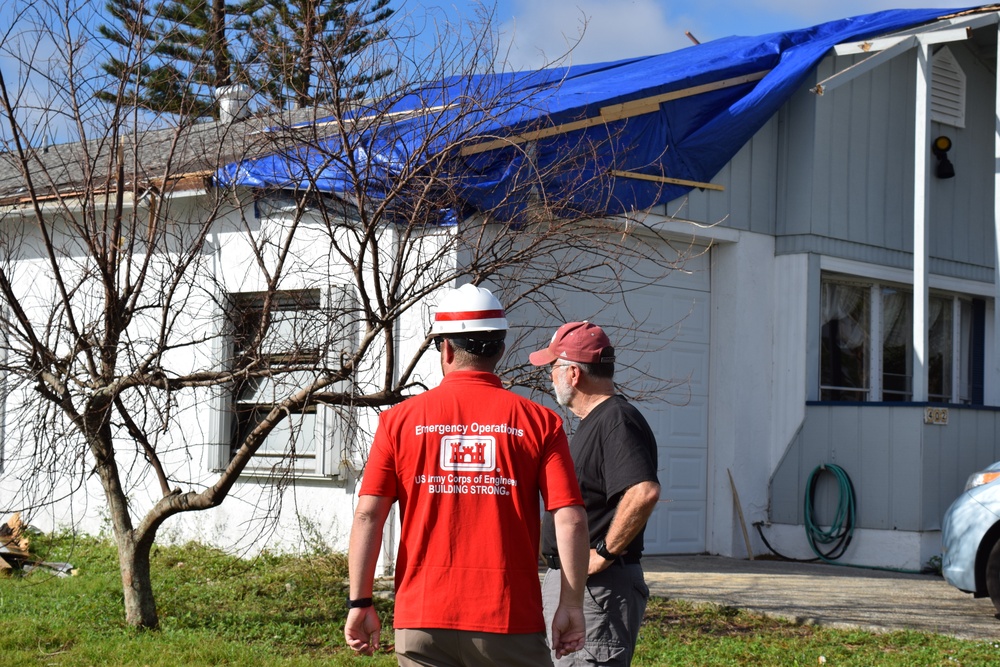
(553, 561)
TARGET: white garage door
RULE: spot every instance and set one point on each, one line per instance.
(680, 306)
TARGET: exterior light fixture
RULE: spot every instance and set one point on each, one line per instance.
(940, 148)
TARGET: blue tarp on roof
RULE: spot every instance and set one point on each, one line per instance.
(689, 138)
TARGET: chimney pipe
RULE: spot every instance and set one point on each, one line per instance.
(234, 102)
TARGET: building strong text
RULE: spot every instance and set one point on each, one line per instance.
(476, 485)
(474, 428)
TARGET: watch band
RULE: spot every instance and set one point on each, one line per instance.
(602, 551)
(360, 603)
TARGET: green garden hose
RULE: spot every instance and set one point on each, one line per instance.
(841, 531)
(830, 544)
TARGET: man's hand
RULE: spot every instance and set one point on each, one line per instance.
(362, 630)
(568, 630)
(598, 563)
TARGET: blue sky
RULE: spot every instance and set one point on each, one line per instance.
(541, 30)
(532, 32)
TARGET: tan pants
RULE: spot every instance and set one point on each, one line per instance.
(461, 648)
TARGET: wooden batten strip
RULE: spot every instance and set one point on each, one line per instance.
(647, 104)
(611, 113)
(666, 179)
(534, 135)
(179, 182)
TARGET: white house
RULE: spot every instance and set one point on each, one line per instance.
(832, 193)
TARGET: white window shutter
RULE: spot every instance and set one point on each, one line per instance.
(948, 89)
(338, 432)
(4, 346)
(337, 424)
(217, 450)
(220, 430)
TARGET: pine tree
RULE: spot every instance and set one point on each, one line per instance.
(297, 40)
(180, 51)
(145, 79)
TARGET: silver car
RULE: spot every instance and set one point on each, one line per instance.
(970, 537)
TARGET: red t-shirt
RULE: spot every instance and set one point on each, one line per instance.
(466, 461)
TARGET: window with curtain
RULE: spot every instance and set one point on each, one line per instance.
(855, 313)
(940, 349)
(897, 344)
(845, 345)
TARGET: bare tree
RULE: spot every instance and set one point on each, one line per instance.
(139, 285)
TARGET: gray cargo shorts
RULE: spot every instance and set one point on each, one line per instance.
(613, 606)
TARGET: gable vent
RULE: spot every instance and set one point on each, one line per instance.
(947, 89)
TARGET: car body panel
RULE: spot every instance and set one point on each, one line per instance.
(967, 522)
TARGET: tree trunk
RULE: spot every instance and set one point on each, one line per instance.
(133, 546)
(137, 586)
(220, 46)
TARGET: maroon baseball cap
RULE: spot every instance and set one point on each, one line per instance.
(582, 342)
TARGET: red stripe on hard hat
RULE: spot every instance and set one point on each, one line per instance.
(468, 315)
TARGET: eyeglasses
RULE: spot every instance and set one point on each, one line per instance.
(558, 366)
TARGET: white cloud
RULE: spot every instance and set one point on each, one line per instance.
(546, 30)
(828, 10)
(588, 31)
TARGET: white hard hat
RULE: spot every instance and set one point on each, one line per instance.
(467, 309)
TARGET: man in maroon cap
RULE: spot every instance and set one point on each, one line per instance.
(614, 453)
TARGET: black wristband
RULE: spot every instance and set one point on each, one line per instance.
(602, 551)
(360, 603)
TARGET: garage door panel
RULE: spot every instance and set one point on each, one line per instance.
(680, 308)
(689, 316)
(683, 474)
(681, 368)
(681, 315)
(695, 274)
(676, 527)
(679, 425)
(687, 363)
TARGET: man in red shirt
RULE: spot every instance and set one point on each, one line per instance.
(467, 461)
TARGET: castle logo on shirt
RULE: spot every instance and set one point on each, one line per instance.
(468, 452)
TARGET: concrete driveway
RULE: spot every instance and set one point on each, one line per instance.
(828, 595)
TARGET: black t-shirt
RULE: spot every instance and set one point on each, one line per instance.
(613, 449)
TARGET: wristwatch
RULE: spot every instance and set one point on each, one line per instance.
(360, 603)
(602, 551)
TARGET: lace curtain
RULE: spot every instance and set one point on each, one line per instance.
(847, 305)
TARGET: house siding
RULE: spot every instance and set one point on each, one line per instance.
(847, 170)
(750, 180)
(843, 188)
(905, 473)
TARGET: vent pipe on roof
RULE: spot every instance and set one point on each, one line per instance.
(234, 102)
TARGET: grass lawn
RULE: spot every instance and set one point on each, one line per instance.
(284, 611)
